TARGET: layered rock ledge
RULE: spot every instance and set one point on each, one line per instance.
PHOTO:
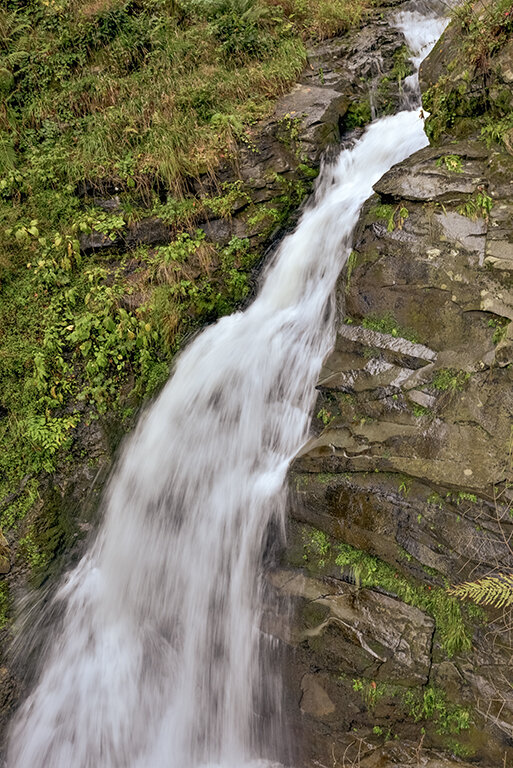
(405, 487)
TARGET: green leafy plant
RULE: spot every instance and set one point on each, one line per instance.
(500, 326)
(394, 216)
(432, 704)
(358, 114)
(48, 434)
(478, 205)
(452, 163)
(325, 416)
(495, 591)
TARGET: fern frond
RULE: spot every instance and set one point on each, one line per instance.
(496, 591)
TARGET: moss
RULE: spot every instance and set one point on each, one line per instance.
(388, 324)
(449, 380)
(352, 260)
(47, 536)
(316, 546)
(4, 603)
(402, 65)
(325, 477)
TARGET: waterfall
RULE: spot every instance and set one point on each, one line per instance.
(156, 660)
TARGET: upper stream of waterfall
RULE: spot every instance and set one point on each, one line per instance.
(156, 662)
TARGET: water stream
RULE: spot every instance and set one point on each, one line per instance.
(157, 662)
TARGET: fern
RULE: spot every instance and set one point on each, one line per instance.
(496, 591)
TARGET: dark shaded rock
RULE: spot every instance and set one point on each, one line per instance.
(97, 241)
(151, 231)
(98, 188)
(222, 230)
(93, 190)
(109, 204)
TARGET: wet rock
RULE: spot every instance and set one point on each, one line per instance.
(424, 178)
(314, 699)
(409, 463)
(318, 109)
(409, 756)
(98, 241)
(390, 639)
(151, 231)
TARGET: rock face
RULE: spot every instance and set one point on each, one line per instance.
(467, 81)
(405, 487)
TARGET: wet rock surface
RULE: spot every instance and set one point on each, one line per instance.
(411, 462)
(409, 470)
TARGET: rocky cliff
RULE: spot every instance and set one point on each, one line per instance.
(405, 489)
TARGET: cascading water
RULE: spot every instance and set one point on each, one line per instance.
(156, 663)
(421, 30)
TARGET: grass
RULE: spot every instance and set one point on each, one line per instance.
(322, 18)
(478, 205)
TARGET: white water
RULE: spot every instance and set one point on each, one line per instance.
(157, 663)
(421, 31)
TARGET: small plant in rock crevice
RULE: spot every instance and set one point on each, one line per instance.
(477, 206)
(452, 163)
(449, 380)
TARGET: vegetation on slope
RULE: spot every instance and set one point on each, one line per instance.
(473, 87)
(127, 101)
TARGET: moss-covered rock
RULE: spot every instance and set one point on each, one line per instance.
(467, 80)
